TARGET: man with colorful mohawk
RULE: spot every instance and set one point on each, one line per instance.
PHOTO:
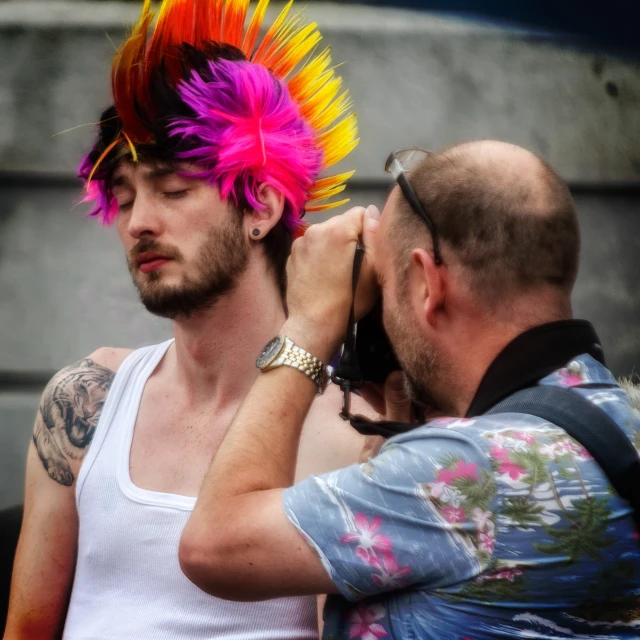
(205, 164)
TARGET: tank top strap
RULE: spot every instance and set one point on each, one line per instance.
(137, 366)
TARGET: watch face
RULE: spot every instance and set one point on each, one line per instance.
(270, 352)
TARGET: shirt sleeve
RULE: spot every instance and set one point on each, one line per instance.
(422, 512)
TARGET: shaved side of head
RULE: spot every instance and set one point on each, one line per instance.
(501, 212)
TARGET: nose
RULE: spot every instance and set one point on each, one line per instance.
(144, 219)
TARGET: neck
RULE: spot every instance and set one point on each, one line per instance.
(483, 338)
(215, 352)
(465, 368)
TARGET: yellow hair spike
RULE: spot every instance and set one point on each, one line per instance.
(271, 33)
(305, 83)
(325, 183)
(132, 147)
(295, 50)
(340, 140)
(325, 194)
(325, 207)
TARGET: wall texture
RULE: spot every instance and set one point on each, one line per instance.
(417, 80)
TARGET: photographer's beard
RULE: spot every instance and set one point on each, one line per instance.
(420, 360)
(220, 261)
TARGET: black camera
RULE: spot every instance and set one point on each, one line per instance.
(375, 353)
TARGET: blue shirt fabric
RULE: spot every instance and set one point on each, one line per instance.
(499, 526)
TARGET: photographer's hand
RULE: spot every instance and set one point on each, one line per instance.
(319, 272)
(391, 402)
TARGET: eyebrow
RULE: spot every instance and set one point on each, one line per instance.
(153, 174)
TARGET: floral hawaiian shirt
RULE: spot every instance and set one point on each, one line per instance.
(500, 526)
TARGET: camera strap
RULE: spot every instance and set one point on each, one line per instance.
(347, 375)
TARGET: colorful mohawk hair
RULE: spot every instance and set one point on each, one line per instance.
(204, 89)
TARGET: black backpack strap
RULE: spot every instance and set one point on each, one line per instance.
(591, 427)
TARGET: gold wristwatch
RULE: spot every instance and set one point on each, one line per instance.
(281, 351)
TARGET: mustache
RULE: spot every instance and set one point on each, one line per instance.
(154, 246)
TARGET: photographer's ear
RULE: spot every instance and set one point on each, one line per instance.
(258, 223)
(427, 285)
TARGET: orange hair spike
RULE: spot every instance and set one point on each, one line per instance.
(99, 161)
(251, 37)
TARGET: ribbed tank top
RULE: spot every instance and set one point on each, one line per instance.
(128, 583)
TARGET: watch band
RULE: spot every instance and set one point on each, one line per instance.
(291, 355)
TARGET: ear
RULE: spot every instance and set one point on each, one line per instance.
(264, 220)
(427, 282)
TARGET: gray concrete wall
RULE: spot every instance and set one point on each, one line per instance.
(417, 80)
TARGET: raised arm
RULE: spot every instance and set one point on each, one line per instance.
(45, 560)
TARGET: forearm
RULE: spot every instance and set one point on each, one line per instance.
(40, 591)
(256, 459)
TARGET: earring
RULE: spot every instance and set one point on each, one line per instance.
(256, 233)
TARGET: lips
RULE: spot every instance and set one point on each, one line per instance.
(150, 261)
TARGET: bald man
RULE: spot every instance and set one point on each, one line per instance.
(472, 526)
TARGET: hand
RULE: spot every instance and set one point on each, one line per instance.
(319, 274)
(391, 402)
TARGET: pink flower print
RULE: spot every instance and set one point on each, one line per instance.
(508, 574)
(452, 515)
(487, 542)
(569, 447)
(500, 453)
(391, 574)
(368, 541)
(507, 466)
(524, 436)
(514, 470)
(504, 574)
(582, 454)
(364, 622)
(461, 470)
(571, 376)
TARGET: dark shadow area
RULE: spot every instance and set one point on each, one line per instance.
(10, 523)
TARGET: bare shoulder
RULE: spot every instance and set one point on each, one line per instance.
(110, 357)
(328, 442)
(70, 409)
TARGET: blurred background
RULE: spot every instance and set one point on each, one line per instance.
(562, 82)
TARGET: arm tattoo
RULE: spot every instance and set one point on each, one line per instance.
(69, 412)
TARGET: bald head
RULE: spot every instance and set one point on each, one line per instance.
(512, 171)
(499, 211)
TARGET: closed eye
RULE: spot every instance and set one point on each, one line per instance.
(174, 195)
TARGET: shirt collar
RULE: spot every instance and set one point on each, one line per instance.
(534, 355)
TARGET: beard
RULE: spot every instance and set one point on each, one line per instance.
(222, 258)
(420, 361)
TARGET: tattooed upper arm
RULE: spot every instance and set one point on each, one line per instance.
(69, 412)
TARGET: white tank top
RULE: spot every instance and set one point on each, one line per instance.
(128, 583)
